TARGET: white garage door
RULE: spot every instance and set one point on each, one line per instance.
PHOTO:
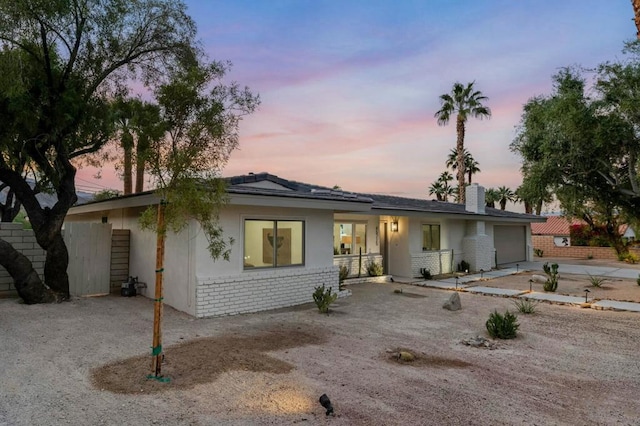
(510, 243)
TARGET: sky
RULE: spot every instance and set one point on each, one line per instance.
(349, 88)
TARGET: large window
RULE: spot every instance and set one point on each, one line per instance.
(273, 243)
(430, 237)
(349, 238)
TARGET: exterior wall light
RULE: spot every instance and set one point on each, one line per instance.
(394, 226)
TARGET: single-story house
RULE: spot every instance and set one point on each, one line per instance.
(291, 237)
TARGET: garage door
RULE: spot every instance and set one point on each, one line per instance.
(510, 243)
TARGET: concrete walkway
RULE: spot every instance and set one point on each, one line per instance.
(470, 283)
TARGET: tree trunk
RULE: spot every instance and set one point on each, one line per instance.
(127, 146)
(636, 12)
(143, 145)
(10, 209)
(55, 266)
(460, 160)
(539, 207)
(527, 207)
(25, 279)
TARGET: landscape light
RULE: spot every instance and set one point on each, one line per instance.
(586, 294)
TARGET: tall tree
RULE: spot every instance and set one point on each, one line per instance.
(201, 116)
(75, 56)
(504, 195)
(636, 16)
(582, 149)
(470, 164)
(441, 187)
(491, 197)
(464, 102)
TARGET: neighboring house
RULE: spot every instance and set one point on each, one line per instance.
(553, 239)
(284, 232)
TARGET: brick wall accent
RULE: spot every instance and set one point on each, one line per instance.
(260, 290)
(545, 243)
(437, 262)
(24, 241)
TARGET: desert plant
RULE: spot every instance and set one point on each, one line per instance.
(552, 277)
(323, 298)
(589, 256)
(628, 257)
(596, 281)
(463, 266)
(502, 326)
(526, 306)
(426, 273)
(538, 252)
(374, 269)
(343, 273)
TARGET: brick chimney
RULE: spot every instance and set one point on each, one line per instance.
(475, 198)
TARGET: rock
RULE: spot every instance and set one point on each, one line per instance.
(480, 342)
(406, 356)
(538, 279)
(453, 304)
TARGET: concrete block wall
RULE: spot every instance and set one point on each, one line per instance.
(24, 241)
(438, 262)
(545, 243)
(261, 290)
(351, 262)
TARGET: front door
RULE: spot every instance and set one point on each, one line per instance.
(384, 247)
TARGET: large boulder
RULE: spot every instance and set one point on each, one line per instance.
(453, 304)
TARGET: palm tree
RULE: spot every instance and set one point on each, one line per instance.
(470, 164)
(505, 194)
(465, 102)
(490, 197)
(438, 189)
(441, 187)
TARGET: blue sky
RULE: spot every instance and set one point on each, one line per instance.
(349, 88)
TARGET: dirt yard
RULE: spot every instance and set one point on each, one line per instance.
(620, 289)
(79, 363)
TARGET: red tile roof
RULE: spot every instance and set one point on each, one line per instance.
(555, 225)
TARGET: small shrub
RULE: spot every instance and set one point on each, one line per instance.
(463, 266)
(589, 256)
(343, 273)
(596, 281)
(374, 269)
(323, 298)
(502, 326)
(426, 273)
(525, 306)
(638, 280)
(552, 277)
(629, 258)
(538, 252)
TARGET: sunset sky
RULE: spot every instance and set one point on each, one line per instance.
(349, 88)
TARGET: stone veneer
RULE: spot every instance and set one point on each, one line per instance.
(260, 290)
(24, 241)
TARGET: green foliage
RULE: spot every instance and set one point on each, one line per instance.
(504, 195)
(465, 102)
(106, 194)
(552, 277)
(628, 257)
(343, 273)
(596, 281)
(525, 306)
(22, 218)
(580, 143)
(638, 280)
(426, 274)
(538, 252)
(441, 187)
(502, 326)
(374, 269)
(585, 235)
(324, 298)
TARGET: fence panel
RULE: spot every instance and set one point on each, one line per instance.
(89, 246)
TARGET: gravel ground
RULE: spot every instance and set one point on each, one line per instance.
(568, 365)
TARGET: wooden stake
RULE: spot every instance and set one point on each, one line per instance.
(156, 357)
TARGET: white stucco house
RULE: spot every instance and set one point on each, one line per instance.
(290, 237)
